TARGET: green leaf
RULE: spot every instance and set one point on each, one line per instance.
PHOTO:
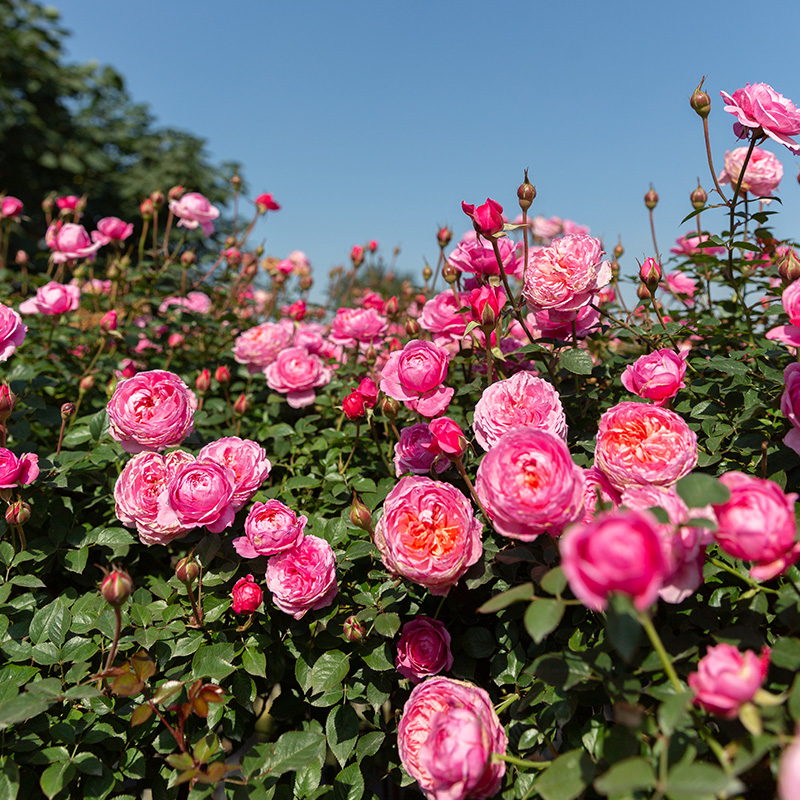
(349, 784)
(213, 661)
(567, 777)
(167, 690)
(180, 761)
(56, 777)
(505, 599)
(699, 781)
(674, 711)
(387, 624)
(254, 661)
(478, 642)
(293, 751)
(577, 361)
(554, 582)
(141, 714)
(9, 779)
(98, 425)
(22, 707)
(369, 744)
(626, 776)
(542, 617)
(729, 366)
(329, 670)
(206, 748)
(341, 729)
(623, 626)
(698, 490)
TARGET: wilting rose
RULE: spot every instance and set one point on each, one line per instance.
(246, 595)
(760, 106)
(112, 229)
(296, 373)
(51, 299)
(193, 210)
(362, 327)
(415, 376)
(656, 376)
(17, 471)
(199, 493)
(246, 459)
(423, 649)
(270, 528)
(258, 347)
(414, 452)
(12, 332)
(764, 171)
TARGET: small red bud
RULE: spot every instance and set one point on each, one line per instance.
(203, 382)
(789, 268)
(223, 375)
(412, 327)
(176, 192)
(67, 410)
(7, 402)
(443, 236)
(18, 513)
(651, 198)
(146, 209)
(117, 587)
(650, 273)
(109, 321)
(242, 405)
(353, 630)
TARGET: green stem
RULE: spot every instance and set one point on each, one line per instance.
(519, 762)
(509, 293)
(658, 646)
(753, 584)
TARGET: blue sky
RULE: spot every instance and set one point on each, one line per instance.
(374, 120)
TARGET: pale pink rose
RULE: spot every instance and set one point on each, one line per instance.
(547, 228)
(12, 332)
(477, 256)
(246, 459)
(687, 245)
(143, 480)
(358, 326)
(193, 210)
(726, 679)
(764, 171)
(441, 316)
(17, 471)
(198, 494)
(566, 275)
(757, 524)
(95, 286)
(789, 770)
(296, 373)
(151, 411)
(304, 577)
(446, 737)
(428, 534)
(301, 263)
(258, 347)
(644, 444)
(656, 376)
(571, 228)
(760, 106)
(423, 649)
(70, 241)
(682, 286)
(522, 400)
(415, 374)
(566, 324)
(10, 207)
(598, 494)
(529, 485)
(51, 299)
(112, 229)
(199, 302)
(790, 403)
(413, 453)
(270, 528)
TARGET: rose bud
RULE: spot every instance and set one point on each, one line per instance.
(223, 375)
(427, 273)
(360, 516)
(443, 236)
(700, 101)
(619, 250)
(242, 405)
(67, 410)
(187, 570)
(188, 258)
(305, 283)
(7, 402)
(390, 407)
(373, 246)
(368, 389)
(789, 268)
(157, 198)
(203, 382)
(146, 209)
(297, 310)
(651, 198)
(353, 630)
(176, 192)
(117, 587)
(449, 273)
(247, 595)
(390, 309)
(18, 513)
(175, 340)
(526, 193)
(236, 182)
(21, 258)
(698, 197)
(357, 255)
(412, 327)
(109, 322)
(650, 273)
(86, 384)
(448, 438)
(353, 405)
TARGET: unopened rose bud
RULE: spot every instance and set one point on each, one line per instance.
(373, 245)
(353, 630)
(18, 513)
(619, 250)
(700, 101)
(188, 258)
(427, 273)
(175, 340)
(443, 236)
(306, 282)
(526, 193)
(86, 384)
(615, 269)
(412, 327)
(146, 209)
(357, 255)
(109, 321)
(48, 204)
(223, 375)
(117, 587)
(21, 258)
(259, 251)
(67, 411)
(297, 310)
(390, 309)
(236, 182)
(157, 199)
(389, 407)
(650, 273)
(642, 292)
(370, 356)
(394, 344)
(789, 268)
(449, 273)
(242, 405)
(176, 192)
(353, 405)
(698, 197)
(187, 570)
(651, 198)
(203, 382)
(7, 402)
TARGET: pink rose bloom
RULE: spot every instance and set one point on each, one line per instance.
(137, 490)
(546, 228)
(760, 106)
(644, 444)
(258, 347)
(246, 595)
(562, 324)
(790, 404)
(682, 286)
(12, 332)
(198, 494)
(571, 228)
(656, 376)
(70, 241)
(112, 229)
(448, 438)
(199, 302)
(423, 649)
(789, 770)
(415, 376)
(764, 171)
(523, 400)
(414, 452)
(428, 534)
(16, 471)
(486, 304)
(304, 577)
(296, 373)
(441, 316)
(151, 411)
(687, 245)
(477, 256)
(246, 459)
(10, 207)
(52, 299)
(791, 302)
(758, 524)
(566, 275)
(270, 528)
(727, 679)
(68, 202)
(529, 485)
(446, 737)
(487, 219)
(358, 326)
(598, 490)
(193, 210)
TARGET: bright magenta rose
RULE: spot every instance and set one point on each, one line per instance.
(415, 376)
(12, 332)
(112, 229)
(727, 679)
(193, 210)
(270, 528)
(764, 171)
(644, 444)
(448, 438)
(687, 245)
(303, 578)
(151, 411)
(10, 207)
(414, 452)
(441, 316)
(423, 649)
(428, 534)
(17, 471)
(199, 494)
(446, 738)
(258, 347)
(487, 219)
(523, 400)
(246, 595)
(529, 485)
(51, 299)
(656, 376)
(760, 106)
(619, 551)
(354, 327)
(246, 459)
(758, 524)
(296, 373)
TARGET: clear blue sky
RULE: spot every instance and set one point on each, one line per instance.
(374, 120)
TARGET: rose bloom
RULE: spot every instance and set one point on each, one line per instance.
(199, 302)
(619, 551)
(487, 219)
(791, 302)
(67, 203)
(270, 528)
(760, 106)
(414, 452)
(112, 229)
(246, 459)
(265, 202)
(446, 737)
(296, 373)
(644, 444)
(193, 210)
(199, 494)
(358, 326)
(441, 316)
(528, 484)
(546, 228)
(246, 595)
(151, 411)
(789, 770)
(727, 679)
(304, 577)
(563, 324)
(51, 299)
(428, 534)
(656, 376)
(448, 438)
(523, 400)
(598, 490)
(16, 471)
(566, 275)
(682, 286)
(415, 375)
(136, 495)
(258, 347)
(790, 403)
(764, 171)
(757, 523)
(12, 332)
(70, 241)
(687, 245)
(423, 649)
(477, 256)
(10, 207)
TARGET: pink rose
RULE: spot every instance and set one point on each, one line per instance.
(199, 302)
(193, 210)
(415, 375)
(644, 444)
(760, 106)
(790, 403)
(70, 241)
(687, 245)
(441, 316)
(112, 229)
(246, 595)
(682, 286)
(68, 203)
(477, 256)
(486, 303)
(791, 302)
(52, 299)
(448, 438)
(598, 494)
(522, 400)
(546, 229)
(270, 528)
(446, 737)
(368, 389)
(258, 347)
(16, 471)
(10, 207)
(757, 523)
(656, 376)
(12, 332)
(564, 324)
(727, 679)
(619, 551)
(414, 453)
(265, 202)
(304, 577)
(296, 373)
(789, 770)
(151, 411)
(247, 460)
(199, 493)
(764, 171)
(529, 485)
(428, 534)
(423, 649)
(487, 219)
(358, 326)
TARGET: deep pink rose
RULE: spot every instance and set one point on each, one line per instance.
(246, 595)
(368, 389)
(487, 219)
(193, 210)
(791, 302)
(199, 493)
(441, 316)
(415, 376)
(296, 373)
(423, 649)
(448, 438)
(70, 241)
(764, 171)
(362, 327)
(12, 332)
(258, 347)
(566, 324)
(477, 256)
(354, 406)
(486, 303)
(790, 404)
(246, 459)
(726, 679)
(10, 207)
(789, 770)
(446, 738)
(598, 494)
(270, 528)
(265, 202)
(68, 203)
(51, 299)
(619, 551)
(17, 471)
(304, 577)
(415, 453)
(656, 376)
(112, 229)
(760, 106)
(151, 411)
